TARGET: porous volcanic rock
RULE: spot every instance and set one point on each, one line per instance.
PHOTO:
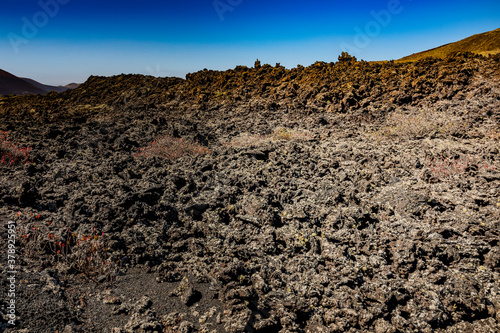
(339, 197)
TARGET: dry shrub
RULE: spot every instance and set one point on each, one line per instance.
(171, 148)
(247, 140)
(419, 124)
(279, 134)
(287, 134)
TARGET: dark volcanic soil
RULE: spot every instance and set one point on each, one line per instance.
(340, 197)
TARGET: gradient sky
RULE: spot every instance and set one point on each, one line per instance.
(66, 41)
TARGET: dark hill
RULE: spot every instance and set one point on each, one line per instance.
(46, 87)
(13, 85)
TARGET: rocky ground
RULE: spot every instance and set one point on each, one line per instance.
(340, 197)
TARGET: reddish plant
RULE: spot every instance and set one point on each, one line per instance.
(11, 154)
(87, 254)
(172, 148)
(91, 255)
(443, 167)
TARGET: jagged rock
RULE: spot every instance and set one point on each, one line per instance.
(291, 216)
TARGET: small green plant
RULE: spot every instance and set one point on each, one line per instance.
(171, 148)
(10, 153)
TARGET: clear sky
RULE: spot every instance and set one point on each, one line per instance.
(62, 41)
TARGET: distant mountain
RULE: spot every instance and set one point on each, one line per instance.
(72, 85)
(484, 44)
(45, 87)
(13, 85)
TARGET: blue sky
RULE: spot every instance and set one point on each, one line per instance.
(62, 41)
